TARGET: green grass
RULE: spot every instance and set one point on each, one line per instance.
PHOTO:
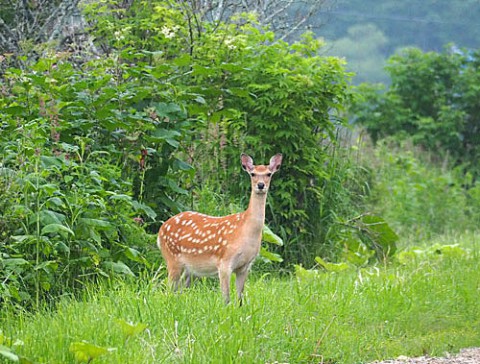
(428, 306)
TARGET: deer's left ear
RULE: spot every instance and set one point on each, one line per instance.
(247, 162)
(275, 162)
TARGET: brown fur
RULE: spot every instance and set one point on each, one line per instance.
(205, 245)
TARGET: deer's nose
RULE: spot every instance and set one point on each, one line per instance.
(261, 185)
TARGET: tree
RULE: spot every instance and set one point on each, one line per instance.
(433, 99)
(27, 23)
(363, 49)
(284, 17)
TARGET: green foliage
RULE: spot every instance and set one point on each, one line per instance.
(287, 100)
(417, 197)
(65, 215)
(433, 99)
(79, 149)
(248, 93)
(85, 352)
(92, 148)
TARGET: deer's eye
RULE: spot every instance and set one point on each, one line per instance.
(269, 175)
(252, 174)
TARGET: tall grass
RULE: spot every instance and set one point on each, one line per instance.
(419, 196)
(429, 305)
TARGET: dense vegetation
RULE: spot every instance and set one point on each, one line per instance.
(433, 100)
(92, 148)
(97, 149)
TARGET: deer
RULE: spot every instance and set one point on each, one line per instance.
(201, 245)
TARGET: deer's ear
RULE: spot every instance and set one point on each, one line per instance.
(247, 162)
(275, 162)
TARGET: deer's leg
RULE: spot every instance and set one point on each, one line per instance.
(188, 279)
(241, 277)
(224, 274)
(174, 274)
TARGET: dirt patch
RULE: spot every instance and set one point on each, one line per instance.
(466, 356)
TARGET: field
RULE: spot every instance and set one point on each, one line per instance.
(427, 304)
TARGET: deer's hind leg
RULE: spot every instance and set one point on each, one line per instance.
(175, 270)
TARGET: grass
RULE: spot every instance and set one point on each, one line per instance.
(429, 305)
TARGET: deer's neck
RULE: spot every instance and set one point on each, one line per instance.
(255, 214)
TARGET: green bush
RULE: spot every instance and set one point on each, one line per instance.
(248, 93)
(66, 217)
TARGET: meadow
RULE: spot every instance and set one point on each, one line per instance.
(424, 303)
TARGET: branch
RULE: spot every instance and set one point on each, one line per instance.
(280, 10)
(10, 39)
(63, 10)
(57, 28)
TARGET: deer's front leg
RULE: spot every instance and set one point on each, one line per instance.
(241, 277)
(224, 274)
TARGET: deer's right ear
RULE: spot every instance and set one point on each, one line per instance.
(247, 162)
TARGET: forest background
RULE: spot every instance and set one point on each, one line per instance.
(116, 115)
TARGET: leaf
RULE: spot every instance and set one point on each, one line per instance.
(452, 251)
(56, 201)
(269, 236)
(139, 206)
(56, 229)
(7, 353)
(131, 329)
(119, 268)
(50, 217)
(269, 256)
(51, 162)
(383, 237)
(95, 222)
(304, 274)
(200, 100)
(47, 266)
(121, 197)
(14, 262)
(332, 267)
(135, 255)
(166, 110)
(86, 352)
(166, 135)
(179, 165)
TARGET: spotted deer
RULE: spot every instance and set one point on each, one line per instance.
(203, 245)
